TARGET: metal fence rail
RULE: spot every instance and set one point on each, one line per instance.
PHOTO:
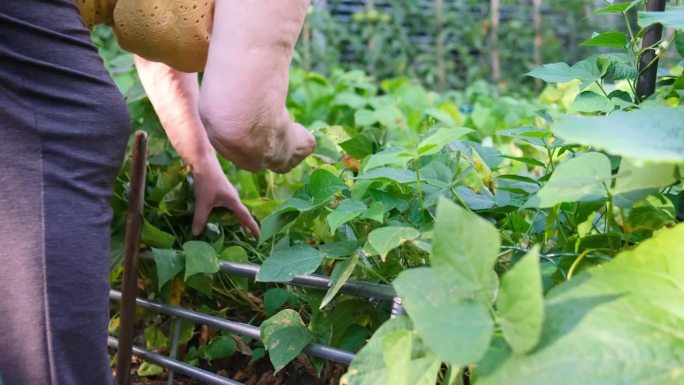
(317, 350)
(129, 300)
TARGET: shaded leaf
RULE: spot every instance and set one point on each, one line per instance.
(285, 336)
(283, 265)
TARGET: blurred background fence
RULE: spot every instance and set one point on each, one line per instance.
(445, 43)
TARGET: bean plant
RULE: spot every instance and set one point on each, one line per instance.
(531, 240)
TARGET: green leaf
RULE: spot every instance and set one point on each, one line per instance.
(673, 17)
(155, 338)
(607, 39)
(201, 283)
(398, 175)
(339, 277)
(394, 355)
(169, 263)
(339, 249)
(200, 257)
(345, 212)
(520, 303)
(275, 222)
(454, 325)
(465, 249)
(587, 71)
(385, 239)
(155, 237)
(324, 185)
(219, 347)
(283, 265)
(396, 157)
(445, 135)
(364, 118)
(554, 73)
(589, 101)
(274, 299)
(651, 134)
(620, 323)
(285, 336)
(635, 182)
(679, 42)
(147, 369)
(359, 146)
(618, 8)
(580, 179)
(375, 212)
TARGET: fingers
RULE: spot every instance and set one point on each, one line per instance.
(199, 219)
(244, 217)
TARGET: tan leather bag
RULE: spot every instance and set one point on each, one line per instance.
(174, 32)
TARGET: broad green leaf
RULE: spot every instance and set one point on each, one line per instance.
(445, 135)
(398, 175)
(635, 182)
(673, 17)
(396, 157)
(274, 299)
(275, 222)
(155, 338)
(285, 336)
(385, 239)
(520, 303)
(219, 347)
(651, 134)
(359, 146)
(340, 249)
(364, 118)
(394, 355)
(579, 179)
(283, 265)
(679, 43)
(589, 101)
(155, 237)
(375, 212)
(620, 323)
(587, 71)
(200, 257)
(464, 251)
(147, 369)
(345, 212)
(339, 277)
(201, 283)
(618, 8)
(441, 116)
(554, 73)
(324, 185)
(455, 326)
(607, 39)
(169, 263)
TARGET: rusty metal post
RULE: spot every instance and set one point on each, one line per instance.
(129, 284)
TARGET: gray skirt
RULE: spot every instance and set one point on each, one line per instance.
(63, 132)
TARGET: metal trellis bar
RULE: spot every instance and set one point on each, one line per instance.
(317, 350)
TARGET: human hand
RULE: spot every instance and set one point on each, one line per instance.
(213, 190)
(254, 141)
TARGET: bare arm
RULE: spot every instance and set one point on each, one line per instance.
(245, 83)
(175, 96)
